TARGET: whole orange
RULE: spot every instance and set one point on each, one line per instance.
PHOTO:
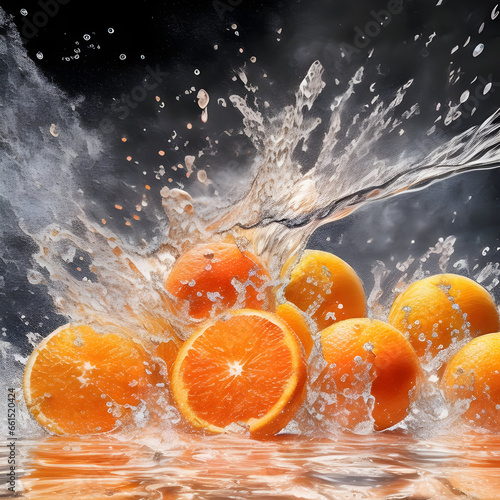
(437, 310)
(213, 277)
(373, 373)
(326, 288)
(473, 376)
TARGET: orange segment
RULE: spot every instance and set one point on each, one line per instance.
(435, 311)
(473, 376)
(246, 369)
(292, 316)
(78, 381)
(369, 358)
(213, 277)
(326, 288)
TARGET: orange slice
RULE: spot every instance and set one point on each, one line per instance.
(246, 369)
(78, 381)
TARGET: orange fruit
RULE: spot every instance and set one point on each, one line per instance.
(246, 369)
(326, 288)
(79, 381)
(473, 376)
(441, 309)
(369, 359)
(213, 277)
(293, 317)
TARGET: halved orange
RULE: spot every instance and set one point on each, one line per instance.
(246, 369)
(78, 381)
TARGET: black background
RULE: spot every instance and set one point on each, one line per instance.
(179, 37)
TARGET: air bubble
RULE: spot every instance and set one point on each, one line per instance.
(39, 55)
(111, 30)
(196, 72)
(24, 12)
(86, 37)
(253, 59)
(123, 57)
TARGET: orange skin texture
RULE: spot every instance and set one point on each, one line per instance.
(210, 269)
(76, 375)
(369, 356)
(293, 317)
(438, 304)
(247, 368)
(473, 374)
(323, 285)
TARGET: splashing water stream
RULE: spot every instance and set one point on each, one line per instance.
(283, 204)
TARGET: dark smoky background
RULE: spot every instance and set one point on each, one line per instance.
(119, 62)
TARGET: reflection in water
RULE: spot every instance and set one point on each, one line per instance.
(389, 465)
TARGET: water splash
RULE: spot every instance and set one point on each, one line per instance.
(89, 268)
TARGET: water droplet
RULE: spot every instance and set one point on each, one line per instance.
(202, 176)
(234, 26)
(86, 37)
(481, 28)
(494, 12)
(111, 30)
(24, 12)
(39, 55)
(465, 95)
(123, 57)
(479, 48)
(487, 88)
(368, 346)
